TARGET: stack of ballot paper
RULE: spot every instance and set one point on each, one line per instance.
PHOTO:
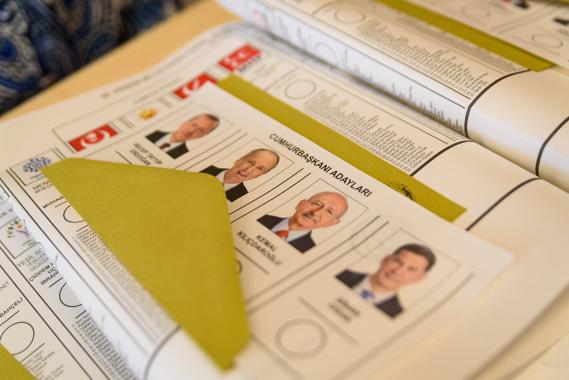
(346, 189)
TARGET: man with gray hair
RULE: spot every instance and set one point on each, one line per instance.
(320, 210)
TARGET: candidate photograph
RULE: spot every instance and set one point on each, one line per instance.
(321, 210)
(174, 143)
(252, 165)
(409, 264)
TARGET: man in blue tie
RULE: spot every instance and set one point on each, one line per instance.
(407, 265)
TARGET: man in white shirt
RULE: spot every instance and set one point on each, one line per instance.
(252, 165)
(407, 265)
(321, 210)
(174, 143)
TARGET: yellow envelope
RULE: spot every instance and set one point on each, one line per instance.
(171, 230)
(10, 368)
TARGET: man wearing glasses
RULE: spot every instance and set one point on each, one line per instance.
(321, 210)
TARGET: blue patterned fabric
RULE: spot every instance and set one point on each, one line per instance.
(42, 41)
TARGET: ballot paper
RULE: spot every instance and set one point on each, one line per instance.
(312, 313)
(510, 107)
(541, 27)
(43, 324)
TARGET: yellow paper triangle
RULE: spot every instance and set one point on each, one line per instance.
(171, 230)
(10, 368)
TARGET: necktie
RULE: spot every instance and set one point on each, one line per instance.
(283, 234)
(164, 146)
(367, 294)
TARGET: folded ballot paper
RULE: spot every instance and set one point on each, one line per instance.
(173, 257)
(483, 69)
(222, 200)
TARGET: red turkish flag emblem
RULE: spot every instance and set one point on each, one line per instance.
(192, 86)
(92, 137)
(239, 57)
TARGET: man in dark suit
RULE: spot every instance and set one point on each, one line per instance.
(321, 210)
(407, 265)
(174, 143)
(252, 165)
